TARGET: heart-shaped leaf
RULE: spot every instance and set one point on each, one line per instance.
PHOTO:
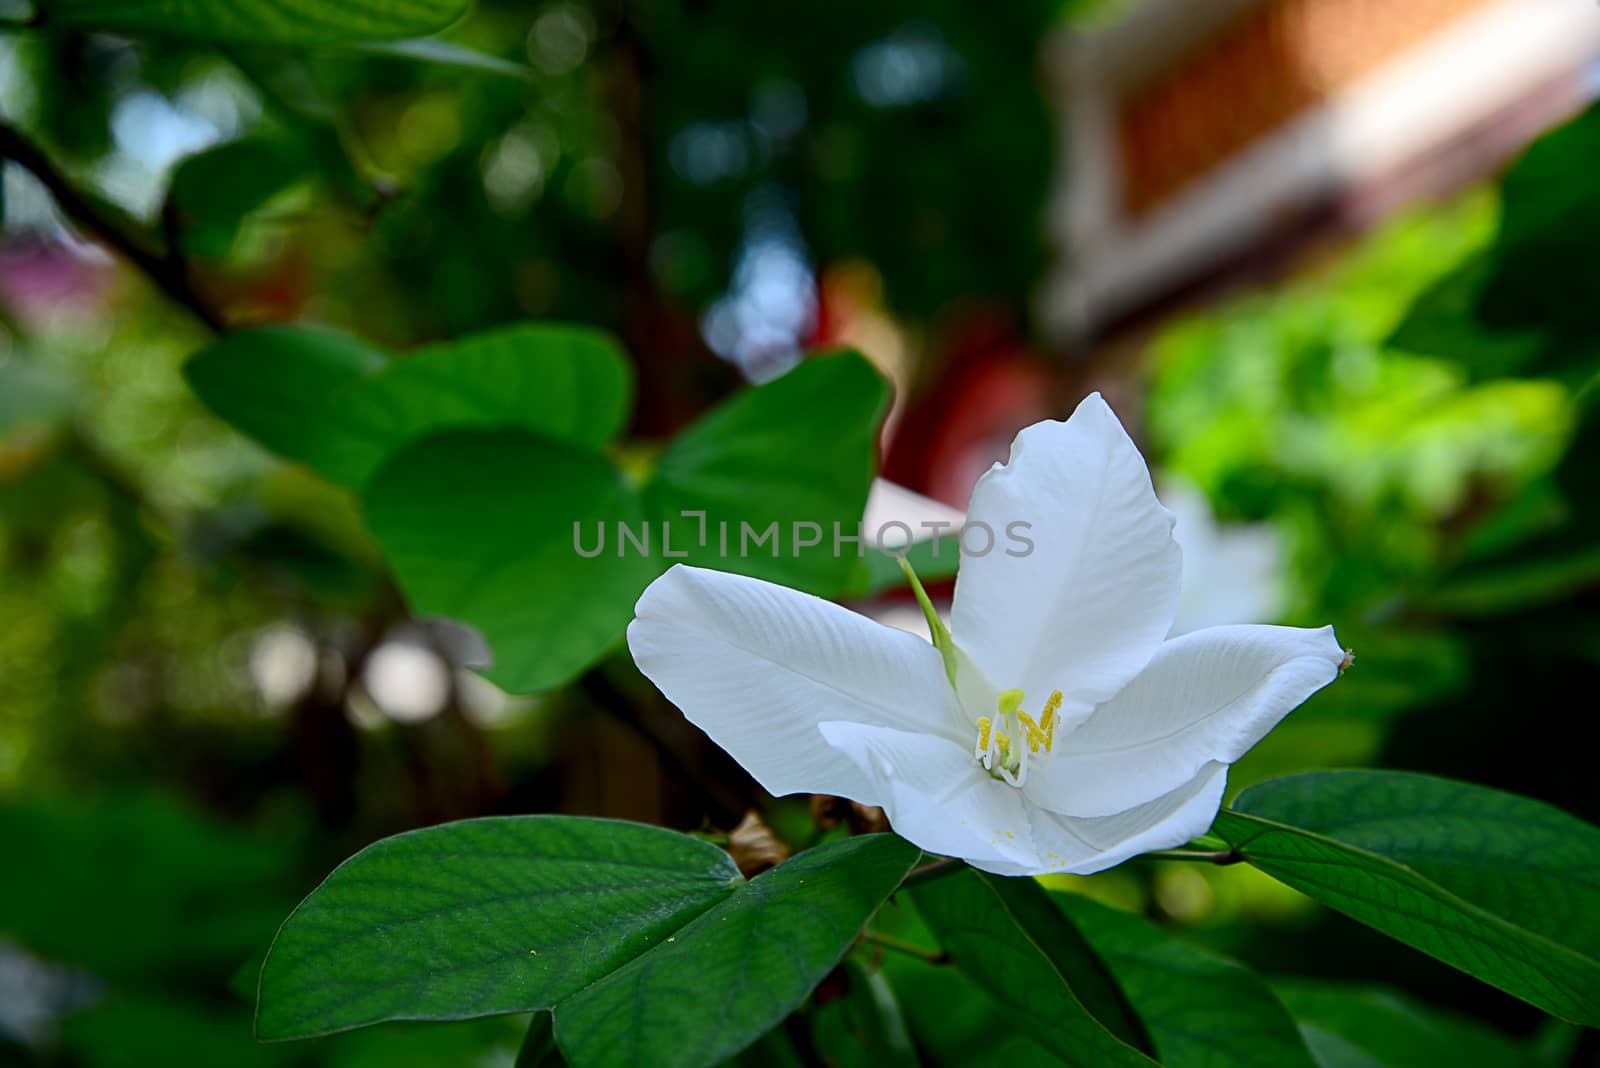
(283, 385)
(342, 407)
(544, 547)
(480, 465)
(794, 457)
(484, 527)
(569, 384)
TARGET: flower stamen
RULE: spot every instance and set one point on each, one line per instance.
(995, 749)
(1047, 718)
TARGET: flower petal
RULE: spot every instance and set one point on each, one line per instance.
(1207, 696)
(757, 666)
(1078, 846)
(1086, 608)
(938, 796)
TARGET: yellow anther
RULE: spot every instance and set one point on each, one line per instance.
(1047, 719)
(1036, 737)
(1003, 758)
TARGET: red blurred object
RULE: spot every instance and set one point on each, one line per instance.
(988, 388)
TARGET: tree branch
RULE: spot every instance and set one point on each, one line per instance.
(168, 272)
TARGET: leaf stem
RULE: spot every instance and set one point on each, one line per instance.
(932, 956)
(933, 870)
(1221, 857)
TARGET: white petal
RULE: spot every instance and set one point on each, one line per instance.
(1084, 846)
(1085, 610)
(937, 796)
(757, 666)
(1207, 696)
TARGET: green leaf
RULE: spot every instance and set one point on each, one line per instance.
(1503, 887)
(1008, 936)
(449, 54)
(798, 450)
(342, 407)
(570, 384)
(486, 529)
(538, 1049)
(283, 385)
(213, 191)
(1444, 321)
(863, 1027)
(950, 1013)
(481, 527)
(1521, 306)
(1203, 1010)
(481, 917)
(286, 22)
(1358, 1027)
(740, 968)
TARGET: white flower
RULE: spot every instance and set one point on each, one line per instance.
(1051, 728)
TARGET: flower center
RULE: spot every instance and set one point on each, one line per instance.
(1006, 740)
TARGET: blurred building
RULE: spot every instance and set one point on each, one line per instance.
(1204, 139)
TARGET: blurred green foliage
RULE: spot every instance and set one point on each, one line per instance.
(1292, 406)
(1417, 419)
(1415, 415)
(589, 162)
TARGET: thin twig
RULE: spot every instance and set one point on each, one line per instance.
(1221, 858)
(167, 271)
(932, 956)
